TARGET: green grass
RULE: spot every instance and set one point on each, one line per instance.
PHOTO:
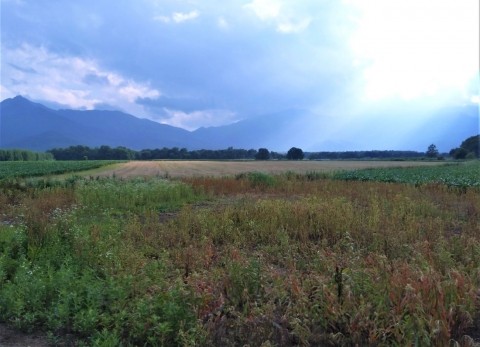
(134, 195)
(67, 265)
(15, 169)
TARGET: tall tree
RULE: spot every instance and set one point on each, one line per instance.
(262, 154)
(295, 153)
(432, 151)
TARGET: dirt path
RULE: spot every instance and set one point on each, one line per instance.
(226, 168)
(13, 338)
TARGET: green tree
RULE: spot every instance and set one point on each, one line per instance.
(469, 149)
(458, 153)
(472, 144)
(295, 153)
(23, 155)
(262, 154)
(432, 151)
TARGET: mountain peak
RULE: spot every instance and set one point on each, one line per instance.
(21, 102)
(16, 99)
(20, 97)
(30, 125)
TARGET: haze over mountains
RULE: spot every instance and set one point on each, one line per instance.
(28, 125)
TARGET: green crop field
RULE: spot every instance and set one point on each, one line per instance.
(453, 175)
(258, 259)
(12, 169)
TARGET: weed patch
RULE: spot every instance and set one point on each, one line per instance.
(284, 260)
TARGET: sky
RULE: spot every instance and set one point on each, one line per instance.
(200, 63)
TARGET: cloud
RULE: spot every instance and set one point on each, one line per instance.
(71, 81)
(185, 104)
(222, 23)
(408, 50)
(164, 19)
(23, 69)
(288, 27)
(178, 17)
(188, 112)
(133, 91)
(78, 99)
(6, 93)
(286, 17)
(265, 9)
(194, 120)
(93, 78)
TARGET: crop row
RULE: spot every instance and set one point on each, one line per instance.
(14, 169)
(460, 175)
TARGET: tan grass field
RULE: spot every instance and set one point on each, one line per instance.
(229, 168)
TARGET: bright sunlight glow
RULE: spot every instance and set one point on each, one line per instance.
(415, 48)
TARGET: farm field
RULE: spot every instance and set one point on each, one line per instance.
(15, 169)
(296, 257)
(452, 175)
(185, 168)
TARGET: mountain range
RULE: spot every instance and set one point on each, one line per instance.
(29, 125)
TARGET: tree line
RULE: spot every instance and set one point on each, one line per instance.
(175, 153)
(469, 149)
(23, 155)
(123, 153)
(390, 154)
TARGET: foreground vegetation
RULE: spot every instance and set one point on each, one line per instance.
(290, 259)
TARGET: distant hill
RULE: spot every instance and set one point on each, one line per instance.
(400, 129)
(28, 125)
(276, 131)
(25, 124)
(449, 127)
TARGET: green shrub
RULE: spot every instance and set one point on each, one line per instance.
(258, 179)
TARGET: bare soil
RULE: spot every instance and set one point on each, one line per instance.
(10, 337)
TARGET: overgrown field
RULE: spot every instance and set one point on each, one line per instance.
(258, 259)
(13, 169)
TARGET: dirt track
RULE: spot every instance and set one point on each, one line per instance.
(227, 168)
(13, 338)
